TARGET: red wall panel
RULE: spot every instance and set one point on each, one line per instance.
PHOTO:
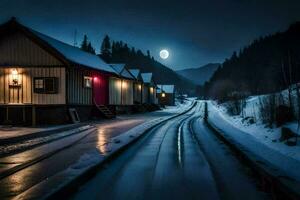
(100, 88)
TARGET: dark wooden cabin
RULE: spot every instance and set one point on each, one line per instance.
(42, 78)
(121, 88)
(149, 89)
(166, 95)
(137, 86)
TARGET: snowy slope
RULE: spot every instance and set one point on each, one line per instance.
(262, 142)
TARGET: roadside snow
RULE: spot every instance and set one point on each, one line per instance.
(258, 139)
(179, 107)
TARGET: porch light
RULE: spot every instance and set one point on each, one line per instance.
(14, 72)
(15, 77)
(140, 87)
(124, 85)
(151, 89)
(163, 94)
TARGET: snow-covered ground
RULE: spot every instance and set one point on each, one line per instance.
(265, 134)
(179, 106)
(257, 138)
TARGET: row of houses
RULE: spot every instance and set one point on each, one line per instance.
(46, 81)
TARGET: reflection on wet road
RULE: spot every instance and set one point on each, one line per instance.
(170, 163)
(28, 177)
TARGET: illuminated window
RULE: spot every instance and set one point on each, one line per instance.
(87, 81)
(46, 85)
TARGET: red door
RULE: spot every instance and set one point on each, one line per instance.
(100, 89)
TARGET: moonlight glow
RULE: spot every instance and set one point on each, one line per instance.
(164, 54)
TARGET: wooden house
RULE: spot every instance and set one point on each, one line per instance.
(149, 89)
(166, 95)
(121, 88)
(137, 86)
(43, 80)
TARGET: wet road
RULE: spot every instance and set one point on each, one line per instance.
(180, 159)
(30, 176)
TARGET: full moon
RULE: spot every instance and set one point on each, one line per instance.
(164, 54)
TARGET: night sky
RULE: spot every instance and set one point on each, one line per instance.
(195, 32)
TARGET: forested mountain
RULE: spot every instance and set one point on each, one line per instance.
(201, 74)
(267, 65)
(119, 52)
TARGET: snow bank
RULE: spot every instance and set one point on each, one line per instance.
(257, 139)
(179, 107)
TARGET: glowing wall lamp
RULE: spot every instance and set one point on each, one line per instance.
(15, 77)
(151, 90)
(163, 94)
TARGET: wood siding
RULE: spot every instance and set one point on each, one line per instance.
(115, 91)
(77, 93)
(127, 92)
(120, 91)
(18, 50)
(137, 92)
(145, 93)
(24, 93)
(153, 95)
(100, 88)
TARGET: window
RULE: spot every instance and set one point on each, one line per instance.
(46, 85)
(87, 81)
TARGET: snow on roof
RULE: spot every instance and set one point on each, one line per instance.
(147, 77)
(166, 88)
(121, 70)
(135, 72)
(118, 67)
(74, 54)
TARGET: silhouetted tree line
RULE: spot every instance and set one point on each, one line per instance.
(267, 65)
(120, 52)
(86, 45)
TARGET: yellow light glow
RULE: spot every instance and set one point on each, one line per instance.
(151, 90)
(163, 94)
(124, 86)
(140, 87)
(14, 72)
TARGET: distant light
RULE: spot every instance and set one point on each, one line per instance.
(164, 54)
(163, 94)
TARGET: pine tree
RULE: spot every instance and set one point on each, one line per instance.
(148, 54)
(106, 48)
(84, 44)
(91, 49)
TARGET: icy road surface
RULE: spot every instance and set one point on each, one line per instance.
(180, 159)
(28, 177)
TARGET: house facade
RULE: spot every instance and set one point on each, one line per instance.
(41, 78)
(121, 88)
(166, 95)
(148, 89)
(137, 86)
